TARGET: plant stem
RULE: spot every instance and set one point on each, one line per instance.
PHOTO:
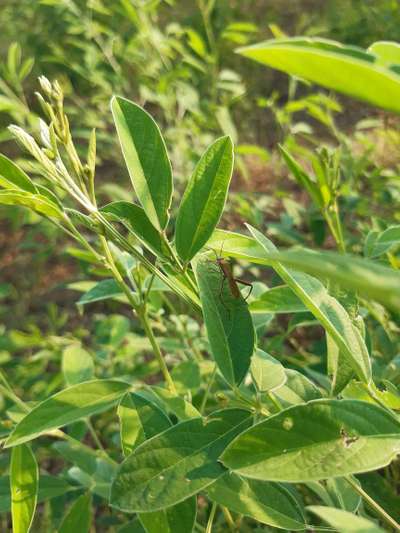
(208, 390)
(275, 401)
(144, 319)
(142, 259)
(14, 398)
(141, 313)
(332, 218)
(373, 504)
(93, 433)
(211, 518)
(228, 518)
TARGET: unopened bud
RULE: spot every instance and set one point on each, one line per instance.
(45, 85)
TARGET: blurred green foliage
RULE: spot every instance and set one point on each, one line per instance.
(176, 59)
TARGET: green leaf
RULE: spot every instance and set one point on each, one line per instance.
(342, 68)
(385, 241)
(77, 365)
(297, 389)
(327, 310)
(204, 199)
(317, 440)
(371, 280)
(37, 202)
(13, 177)
(132, 527)
(103, 290)
(387, 394)
(177, 519)
(267, 372)
(97, 468)
(302, 178)
(387, 52)
(146, 158)
(176, 405)
(24, 478)
(269, 503)
(342, 494)
(140, 419)
(67, 406)
(49, 487)
(186, 376)
(78, 517)
(178, 463)
(135, 220)
(278, 300)
(343, 521)
(228, 322)
(382, 491)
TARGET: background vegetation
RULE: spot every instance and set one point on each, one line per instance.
(177, 59)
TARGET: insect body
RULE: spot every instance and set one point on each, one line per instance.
(233, 282)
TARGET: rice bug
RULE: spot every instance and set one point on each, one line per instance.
(227, 274)
(226, 269)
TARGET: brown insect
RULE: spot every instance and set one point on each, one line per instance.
(227, 274)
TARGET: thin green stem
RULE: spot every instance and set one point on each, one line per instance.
(146, 263)
(339, 230)
(14, 398)
(144, 319)
(254, 404)
(275, 401)
(211, 518)
(208, 390)
(182, 268)
(373, 504)
(73, 232)
(94, 435)
(228, 518)
(110, 263)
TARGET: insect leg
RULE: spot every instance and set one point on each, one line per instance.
(247, 283)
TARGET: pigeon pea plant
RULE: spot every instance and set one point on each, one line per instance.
(252, 442)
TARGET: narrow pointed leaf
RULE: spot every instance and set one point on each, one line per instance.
(356, 274)
(177, 519)
(327, 310)
(269, 503)
(178, 463)
(278, 300)
(204, 199)
(49, 487)
(78, 517)
(67, 406)
(228, 322)
(302, 178)
(368, 278)
(140, 419)
(344, 521)
(135, 220)
(146, 158)
(318, 440)
(103, 290)
(37, 202)
(346, 69)
(24, 480)
(13, 177)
